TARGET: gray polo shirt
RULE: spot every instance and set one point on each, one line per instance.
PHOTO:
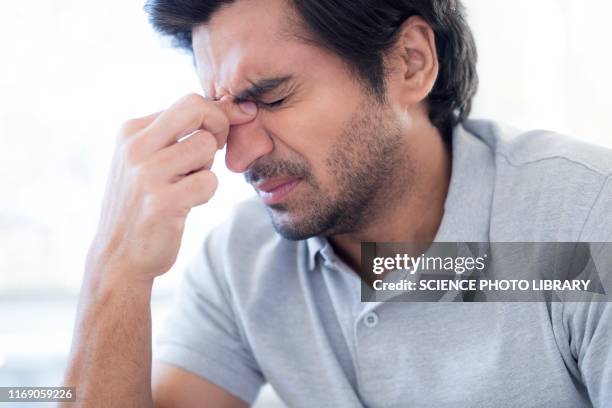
(255, 308)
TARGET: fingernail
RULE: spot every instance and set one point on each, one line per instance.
(248, 107)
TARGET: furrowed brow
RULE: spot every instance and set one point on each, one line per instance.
(260, 88)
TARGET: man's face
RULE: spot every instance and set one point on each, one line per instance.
(322, 153)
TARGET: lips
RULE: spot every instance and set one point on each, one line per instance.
(274, 190)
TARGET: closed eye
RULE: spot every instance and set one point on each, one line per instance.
(274, 104)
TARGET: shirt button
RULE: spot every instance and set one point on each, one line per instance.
(371, 319)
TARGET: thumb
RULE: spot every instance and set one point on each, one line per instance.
(238, 113)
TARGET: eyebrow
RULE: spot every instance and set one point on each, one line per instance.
(261, 87)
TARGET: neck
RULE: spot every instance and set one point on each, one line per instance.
(415, 212)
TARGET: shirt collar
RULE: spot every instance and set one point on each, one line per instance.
(314, 245)
(467, 209)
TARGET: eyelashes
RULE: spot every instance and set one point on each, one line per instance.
(272, 105)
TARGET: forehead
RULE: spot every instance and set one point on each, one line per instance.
(246, 41)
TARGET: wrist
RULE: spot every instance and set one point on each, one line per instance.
(104, 280)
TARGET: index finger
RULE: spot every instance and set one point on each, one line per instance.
(193, 112)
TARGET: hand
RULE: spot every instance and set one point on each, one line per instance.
(156, 179)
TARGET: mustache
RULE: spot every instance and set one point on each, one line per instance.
(266, 169)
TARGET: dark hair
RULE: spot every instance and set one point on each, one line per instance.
(362, 32)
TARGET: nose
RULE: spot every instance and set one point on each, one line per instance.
(245, 144)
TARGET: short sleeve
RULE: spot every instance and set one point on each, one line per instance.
(201, 333)
(589, 326)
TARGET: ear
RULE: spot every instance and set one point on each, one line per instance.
(413, 62)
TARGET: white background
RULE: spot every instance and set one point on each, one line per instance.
(71, 72)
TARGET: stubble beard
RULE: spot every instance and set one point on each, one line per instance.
(369, 163)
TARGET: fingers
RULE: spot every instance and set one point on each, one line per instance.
(238, 113)
(192, 113)
(195, 189)
(194, 153)
(132, 126)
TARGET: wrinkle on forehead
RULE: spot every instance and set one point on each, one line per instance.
(241, 43)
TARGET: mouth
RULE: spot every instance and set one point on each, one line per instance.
(275, 190)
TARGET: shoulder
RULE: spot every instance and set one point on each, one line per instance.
(552, 186)
(521, 148)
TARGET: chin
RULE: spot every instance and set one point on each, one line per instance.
(298, 225)
(292, 226)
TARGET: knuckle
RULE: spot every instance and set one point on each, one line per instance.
(160, 204)
(128, 128)
(217, 118)
(193, 99)
(208, 177)
(212, 179)
(209, 181)
(199, 145)
(206, 142)
(200, 188)
(223, 121)
(188, 149)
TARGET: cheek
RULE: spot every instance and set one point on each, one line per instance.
(311, 129)
(308, 135)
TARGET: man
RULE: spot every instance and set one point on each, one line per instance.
(349, 118)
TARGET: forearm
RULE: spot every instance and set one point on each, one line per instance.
(156, 178)
(110, 362)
